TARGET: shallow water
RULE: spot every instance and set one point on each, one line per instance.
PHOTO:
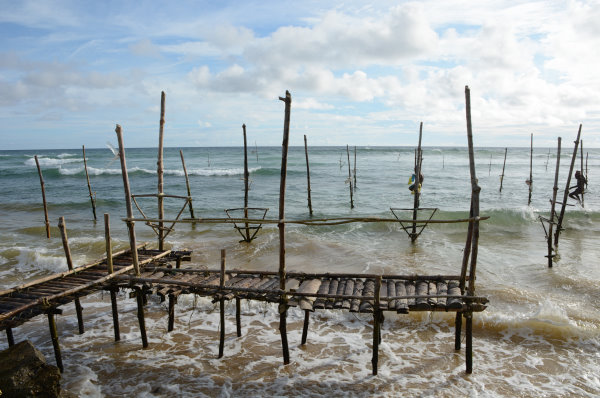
(538, 337)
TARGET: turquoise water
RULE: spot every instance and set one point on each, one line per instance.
(539, 335)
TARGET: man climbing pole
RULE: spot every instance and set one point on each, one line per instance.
(413, 182)
(579, 188)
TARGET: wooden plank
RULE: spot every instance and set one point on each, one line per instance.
(358, 289)
(391, 292)
(432, 292)
(308, 286)
(442, 288)
(401, 304)
(348, 291)
(410, 291)
(333, 285)
(368, 291)
(421, 289)
(337, 304)
(323, 289)
(454, 290)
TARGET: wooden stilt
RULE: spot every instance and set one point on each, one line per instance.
(307, 176)
(115, 313)
(87, 176)
(65, 241)
(581, 170)
(281, 225)
(37, 163)
(457, 330)
(172, 301)
(130, 222)
(305, 327)
(222, 306)
(469, 342)
(566, 195)
(350, 178)
(9, 337)
(139, 295)
(530, 171)
(238, 320)
(503, 166)
(159, 172)
(553, 208)
(416, 191)
(108, 244)
(187, 184)
(354, 167)
(246, 186)
(54, 337)
(376, 326)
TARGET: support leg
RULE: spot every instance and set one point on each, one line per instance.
(457, 330)
(172, 301)
(140, 312)
(376, 339)
(79, 312)
(54, 336)
(10, 337)
(305, 328)
(469, 342)
(115, 314)
(222, 331)
(238, 320)
(283, 332)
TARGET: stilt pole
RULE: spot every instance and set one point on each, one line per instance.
(159, 172)
(246, 185)
(376, 326)
(566, 195)
(187, 184)
(354, 167)
(416, 191)
(583, 175)
(552, 208)
(238, 316)
(350, 178)
(307, 177)
(283, 304)
(503, 166)
(54, 337)
(110, 269)
(171, 322)
(37, 163)
(139, 295)
(65, 241)
(530, 171)
(305, 327)
(87, 177)
(130, 222)
(222, 307)
(9, 337)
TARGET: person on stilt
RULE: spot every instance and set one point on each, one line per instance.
(413, 182)
(579, 188)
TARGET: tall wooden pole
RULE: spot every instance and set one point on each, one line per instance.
(187, 184)
(354, 167)
(282, 273)
(566, 195)
(350, 178)
(130, 222)
(222, 306)
(553, 207)
(246, 184)
(54, 337)
(110, 269)
(65, 241)
(307, 176)
(37, 163)
(159, 172)
(581, 169)
(87, 176)
(503, 166)
(530, 171)
(413, 235)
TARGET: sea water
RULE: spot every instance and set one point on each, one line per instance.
(539, 335)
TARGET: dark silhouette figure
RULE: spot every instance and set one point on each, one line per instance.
(579, 188)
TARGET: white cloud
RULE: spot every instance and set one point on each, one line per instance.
(145, 48)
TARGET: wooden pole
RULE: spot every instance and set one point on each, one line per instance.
(581, 169)
(238, 316)
(159, 172)
(553, 206)
(376, 326)
(65, 241)
(490, 169)
(54, 337)
(87, 176)
(530, 171)
(139, 295)
(130, 222)
(110, 269)
(547, 159)
(566, 194)
(115, 313)
(350, 178)
(354, 167)
(187, 184)
(9, 337)
(171, 321)
(307, 176)
(305, 326)
(282, 273)
(37, 163)
(503, 166)
(246, 185)
(414, 235)
(222, 306)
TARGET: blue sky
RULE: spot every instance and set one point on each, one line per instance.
(359, 73)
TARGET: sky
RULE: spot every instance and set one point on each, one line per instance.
(359, 73)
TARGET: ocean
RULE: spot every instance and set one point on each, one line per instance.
(539, 335)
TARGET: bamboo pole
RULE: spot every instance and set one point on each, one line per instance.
(65, 241)
(187, 184)
(246, 186)
(282, 272)
(566, 194)
(222, 306)
(503, 166)
(87, 176)
(159, 172)
(115, 313)
(582, 175)
(414, 235)
(350, 178)
(54, 337)
(553, 206)
(110, 269)
(307, 176)
(354, 167)
(130, 222)
(530, 171)
(37, 163)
